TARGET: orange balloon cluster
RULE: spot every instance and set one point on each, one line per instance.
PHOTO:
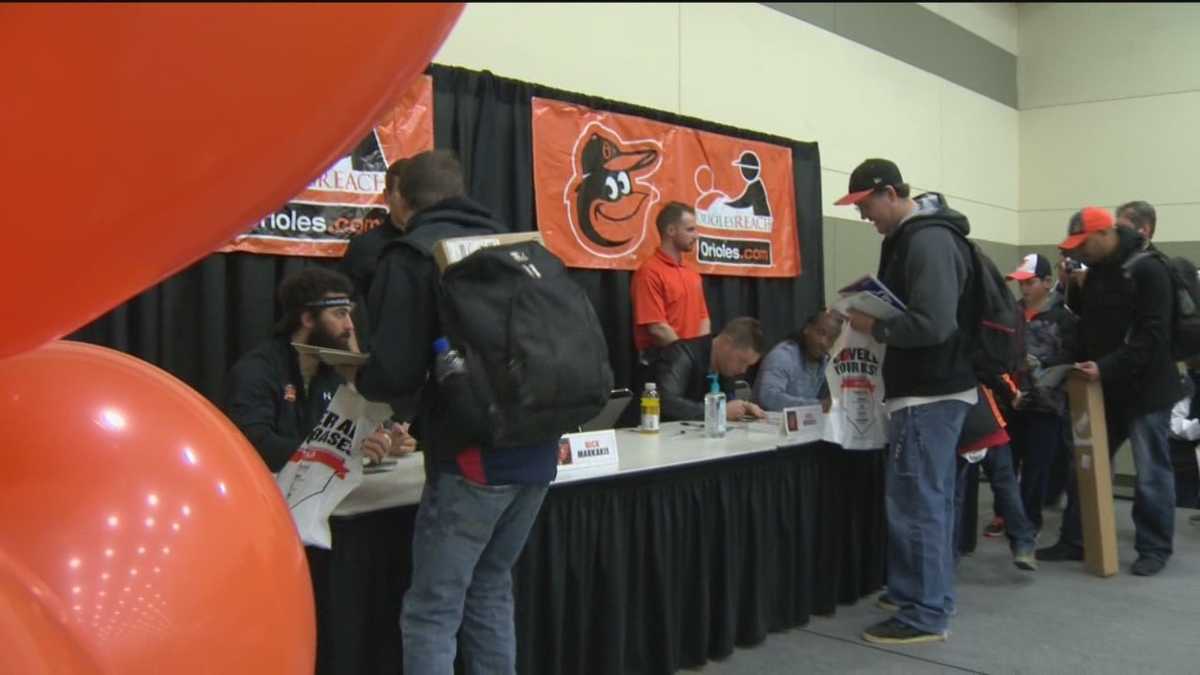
(140, 137)
(148, 515)
(40, 637)
(141, 532)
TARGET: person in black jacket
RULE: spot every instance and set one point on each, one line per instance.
(681, 370)
(930, 385)
(1040, 410)
(478, 504)
(362, 253)
(276, 395)
(1185, 439)
(1124, 342)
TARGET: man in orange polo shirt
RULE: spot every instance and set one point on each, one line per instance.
(668, 297)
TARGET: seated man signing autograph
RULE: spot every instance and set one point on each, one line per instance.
(682, 368)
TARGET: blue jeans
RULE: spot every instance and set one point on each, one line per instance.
(1154, 495)
(999, 468)
(920, 493)
(466, 539)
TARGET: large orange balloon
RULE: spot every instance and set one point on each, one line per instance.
(35, 627)
(139, 138)
(148, 512)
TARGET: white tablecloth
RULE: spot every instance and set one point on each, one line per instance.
(677, 444)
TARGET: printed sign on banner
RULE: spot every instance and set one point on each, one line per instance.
(347, 199)
(601, 179)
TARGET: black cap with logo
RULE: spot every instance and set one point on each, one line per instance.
(871, 175)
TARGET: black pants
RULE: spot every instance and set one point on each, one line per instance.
(1187, 476)
(1036, 443)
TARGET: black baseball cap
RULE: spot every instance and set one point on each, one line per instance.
(871, 175)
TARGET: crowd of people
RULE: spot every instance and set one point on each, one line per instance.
(1103, 317)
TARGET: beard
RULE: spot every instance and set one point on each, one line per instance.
(326, 339)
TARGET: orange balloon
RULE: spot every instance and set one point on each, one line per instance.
(35, 627)
(139, 138)
(147, 511)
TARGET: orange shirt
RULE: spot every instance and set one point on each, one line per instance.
(665, 291)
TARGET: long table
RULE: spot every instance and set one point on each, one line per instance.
(691, 547)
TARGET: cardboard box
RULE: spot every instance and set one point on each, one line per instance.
(450, 251)
(1093, 471)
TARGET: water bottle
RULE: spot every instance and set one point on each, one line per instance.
(446, 361)
(470, 419)
(714, 409)
(650, 409)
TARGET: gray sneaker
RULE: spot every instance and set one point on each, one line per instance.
(1025, 560)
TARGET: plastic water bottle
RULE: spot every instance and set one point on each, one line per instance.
(447, 362)
(714, 409)
(650, 409)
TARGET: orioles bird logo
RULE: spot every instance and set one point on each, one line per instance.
(608, 198)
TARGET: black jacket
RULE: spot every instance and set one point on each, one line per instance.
(932, 271)
(1046, 338)
(266, 399)
(681, 375)
(359, 263)
(403, 305)
(1124, 326)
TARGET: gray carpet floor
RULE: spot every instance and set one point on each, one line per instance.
(1059, 619)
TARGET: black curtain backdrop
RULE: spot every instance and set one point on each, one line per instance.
(196, 323)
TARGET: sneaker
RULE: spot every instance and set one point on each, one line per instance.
(896, 632)
(886, 604)
(1147, 567)
(1025, 560)
(1060, 552)
(994, 528)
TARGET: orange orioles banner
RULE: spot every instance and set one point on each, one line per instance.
(601, 179)
(347, 199)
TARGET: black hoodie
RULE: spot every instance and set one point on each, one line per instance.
(930, 268)
(403, 307)
(1125, 327)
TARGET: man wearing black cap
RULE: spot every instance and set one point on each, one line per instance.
(1036, 425)
(1124, 342)
(930, 384)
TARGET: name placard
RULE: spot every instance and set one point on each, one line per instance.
(588, 450)
(805, 424)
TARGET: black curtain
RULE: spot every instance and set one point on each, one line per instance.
(196, 323)
(488, 121)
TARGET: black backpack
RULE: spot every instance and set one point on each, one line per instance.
(1185, 305)
(536, 358)
(996, 333)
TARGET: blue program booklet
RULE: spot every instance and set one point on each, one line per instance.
(869, 296)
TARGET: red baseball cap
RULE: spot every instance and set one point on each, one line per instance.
(1084, 223)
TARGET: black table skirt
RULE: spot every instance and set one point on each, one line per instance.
(644, 574)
